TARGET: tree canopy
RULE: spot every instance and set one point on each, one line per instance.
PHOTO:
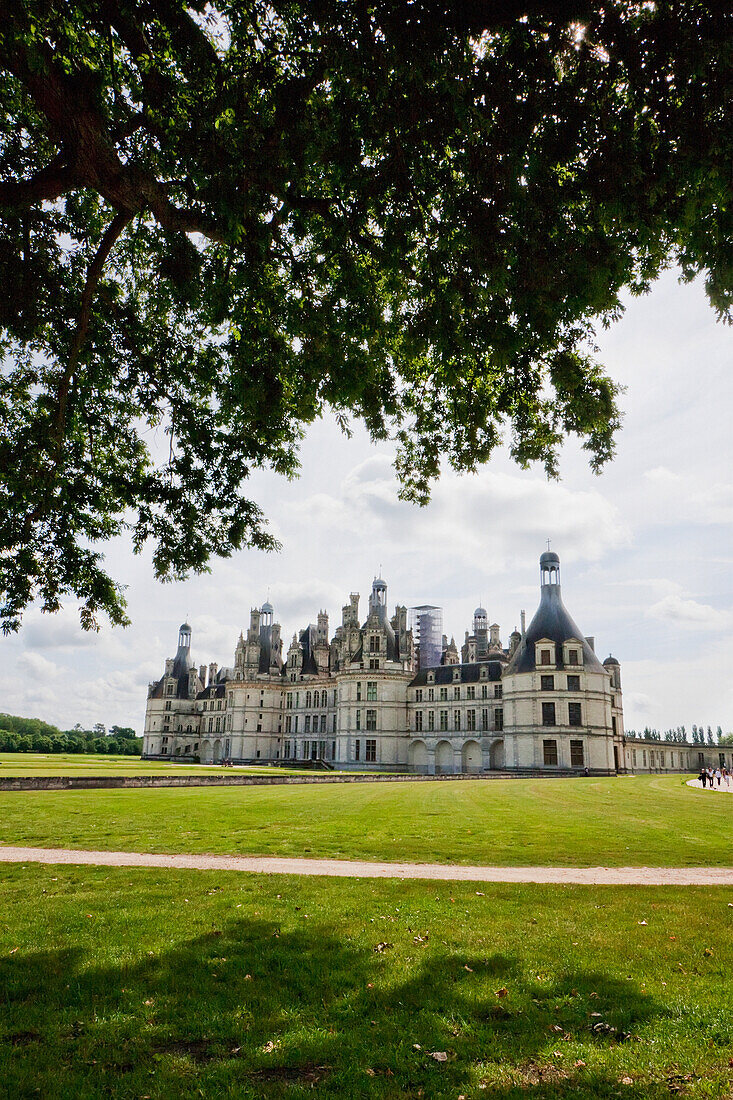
(218, 220)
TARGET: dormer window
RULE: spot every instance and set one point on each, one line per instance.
(431, 677)
(545, 657)
(456, 675)
(374, 643)
(573, 657)
(484, 673)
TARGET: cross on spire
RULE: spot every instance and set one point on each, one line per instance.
(548, 544)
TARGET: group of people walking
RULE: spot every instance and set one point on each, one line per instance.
(709, 777)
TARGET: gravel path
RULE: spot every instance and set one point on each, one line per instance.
(341, 868)
(722, 789)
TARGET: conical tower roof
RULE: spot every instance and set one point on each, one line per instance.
(551, 621)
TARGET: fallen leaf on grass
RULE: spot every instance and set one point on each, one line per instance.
(579, 1063)
(707, 952)
(641, 922)
(468, 968)
(626, 1081)
(379, 947)
(503, 992)
(439, 1055)
(268, 1047)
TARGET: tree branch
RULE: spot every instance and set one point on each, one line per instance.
(48, 183)
(113, 232)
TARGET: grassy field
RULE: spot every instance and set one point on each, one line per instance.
(141, 983)
(657, 821)
(36, 764)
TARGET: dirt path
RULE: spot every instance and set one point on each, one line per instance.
(341, 868)
(724, 788)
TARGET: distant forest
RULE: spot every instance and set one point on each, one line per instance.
(33, 735)
(679, 735)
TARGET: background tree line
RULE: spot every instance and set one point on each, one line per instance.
(679, 735)
(33, 735)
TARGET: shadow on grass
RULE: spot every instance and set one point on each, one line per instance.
(248, 1011)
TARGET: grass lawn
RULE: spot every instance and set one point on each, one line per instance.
(144, 983)
(652, 820)
(37, 764)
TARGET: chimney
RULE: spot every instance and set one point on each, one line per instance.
(212, 672)
(524, 623)
(202, 674)
(591, 642)
(169, 667)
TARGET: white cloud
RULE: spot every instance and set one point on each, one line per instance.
(679, 609)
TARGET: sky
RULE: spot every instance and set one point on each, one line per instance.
(645, 547)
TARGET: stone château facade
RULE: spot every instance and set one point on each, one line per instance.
(357, 701)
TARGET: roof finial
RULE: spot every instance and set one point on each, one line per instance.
(548, 544)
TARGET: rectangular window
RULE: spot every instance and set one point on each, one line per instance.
(371, 720)
(547, 683)
(549, 750)
(307, 723)
(572, 656)
(633, 757)
(371, 691)
(323, 723)
(444, 719)
(577, 758)
(471, 692)
(431, 719)
(484, 719)
(374, 646)
(334, 724)
(306, 749)
(470, 719)
(371, 750)
(357, 749)
(374, 663)
(548, 714)
(613, 723)
(358, 719)
(574, 715)
(431, 695)
(296, 723)
(456, 719)
(456, 693)
(418, 695)
(545, 656)
(498, 718)
(358, 693)
(443, 694)
(573, 683)
(497, 691)
(484, 691)
(418, 721)
(288, 723)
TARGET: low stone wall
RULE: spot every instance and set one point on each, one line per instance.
(112, 782)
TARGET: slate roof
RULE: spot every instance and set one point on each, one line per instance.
(470, 674)
(553, 621)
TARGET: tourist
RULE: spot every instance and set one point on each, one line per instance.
(718, 775)
(711, 776)
(726, 777)
(703, 776)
